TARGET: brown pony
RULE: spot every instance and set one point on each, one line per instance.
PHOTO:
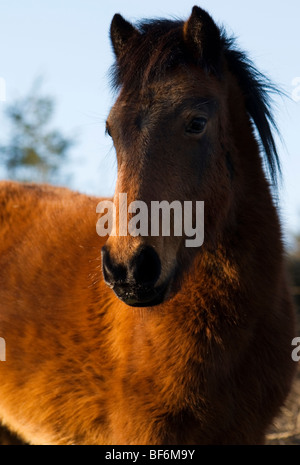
(158, 343)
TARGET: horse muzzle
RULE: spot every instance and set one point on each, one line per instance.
(135, 283)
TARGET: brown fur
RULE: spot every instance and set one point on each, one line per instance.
(212, 363)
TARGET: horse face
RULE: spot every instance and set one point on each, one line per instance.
(169, 128)
(168, 145)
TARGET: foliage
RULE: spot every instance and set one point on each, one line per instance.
(34, 151)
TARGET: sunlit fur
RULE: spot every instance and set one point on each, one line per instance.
(212, 363)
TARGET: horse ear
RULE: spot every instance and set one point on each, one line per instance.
(120, 32)
(202, 36)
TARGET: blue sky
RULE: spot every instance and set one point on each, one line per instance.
(67, 42)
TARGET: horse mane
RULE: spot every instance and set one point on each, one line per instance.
(161, 48)
(257, 89)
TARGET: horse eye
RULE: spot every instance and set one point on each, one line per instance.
(196, 126)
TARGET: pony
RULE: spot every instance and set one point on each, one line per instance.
(139, 339)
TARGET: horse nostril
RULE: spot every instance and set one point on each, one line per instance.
(144, 269)
(112, 273)
(146, 266)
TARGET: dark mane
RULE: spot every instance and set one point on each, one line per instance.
(161, 48)
(256, 88)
